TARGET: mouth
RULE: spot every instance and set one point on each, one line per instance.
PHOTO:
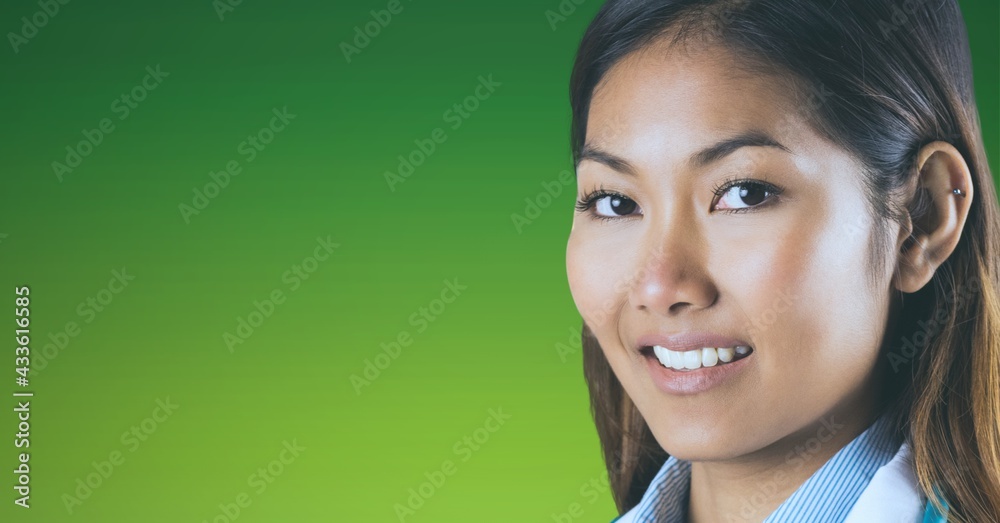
(689, 363)
(694, 358)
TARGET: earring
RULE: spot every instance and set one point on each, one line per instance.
(958, 192)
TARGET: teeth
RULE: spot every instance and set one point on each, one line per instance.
(662, 355)
(692, 359)
(698, 358)
(676, 359)
(709, 357)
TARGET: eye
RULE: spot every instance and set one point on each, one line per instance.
(615, 205)
(744, 194)
(609, 205)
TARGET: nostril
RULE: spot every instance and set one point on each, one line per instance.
(679, 307)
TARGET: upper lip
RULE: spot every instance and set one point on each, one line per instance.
(685, 341)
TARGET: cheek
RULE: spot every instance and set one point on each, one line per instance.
(597, 266)
(600, 268)
(810, 303)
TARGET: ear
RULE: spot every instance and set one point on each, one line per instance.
(935, 215)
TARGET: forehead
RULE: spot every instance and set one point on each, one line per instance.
(669, 99)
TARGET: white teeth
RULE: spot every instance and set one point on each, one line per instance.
(676, 359)
(661, 354)
(697, 358)
(692, 359)
(709, 357)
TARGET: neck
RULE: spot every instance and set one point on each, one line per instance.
(751, 487)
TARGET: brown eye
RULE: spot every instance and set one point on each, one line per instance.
(615, 205)
(744, 195)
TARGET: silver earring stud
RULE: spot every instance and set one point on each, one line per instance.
(958, 192)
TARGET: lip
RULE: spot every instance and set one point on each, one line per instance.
(688, 341)
(690, 382)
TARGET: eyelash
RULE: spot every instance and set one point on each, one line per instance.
(730, 182)
(586, 203)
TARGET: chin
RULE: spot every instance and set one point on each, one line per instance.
(686, 448)
(700, 438)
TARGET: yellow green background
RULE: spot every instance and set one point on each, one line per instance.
(502, 348)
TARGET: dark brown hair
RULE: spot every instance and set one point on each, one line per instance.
(891, 77)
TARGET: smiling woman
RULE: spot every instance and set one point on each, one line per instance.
(785, 253)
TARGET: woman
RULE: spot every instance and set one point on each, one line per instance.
(786, 253)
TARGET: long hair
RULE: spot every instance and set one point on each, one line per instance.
(889, 77)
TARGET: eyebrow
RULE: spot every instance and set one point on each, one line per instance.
(703, 157)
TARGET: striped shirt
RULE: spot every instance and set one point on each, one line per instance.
(828, 495)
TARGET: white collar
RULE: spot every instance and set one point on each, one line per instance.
(892, 495)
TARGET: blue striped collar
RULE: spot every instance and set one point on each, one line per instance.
(828, 495)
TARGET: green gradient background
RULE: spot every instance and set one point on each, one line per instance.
(162, 336)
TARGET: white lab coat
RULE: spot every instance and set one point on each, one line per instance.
(892, 496)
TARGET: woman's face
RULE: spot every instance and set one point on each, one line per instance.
(716, 217)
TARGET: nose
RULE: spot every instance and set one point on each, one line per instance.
(672, 276)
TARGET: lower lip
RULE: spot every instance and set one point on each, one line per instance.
(688, 382)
